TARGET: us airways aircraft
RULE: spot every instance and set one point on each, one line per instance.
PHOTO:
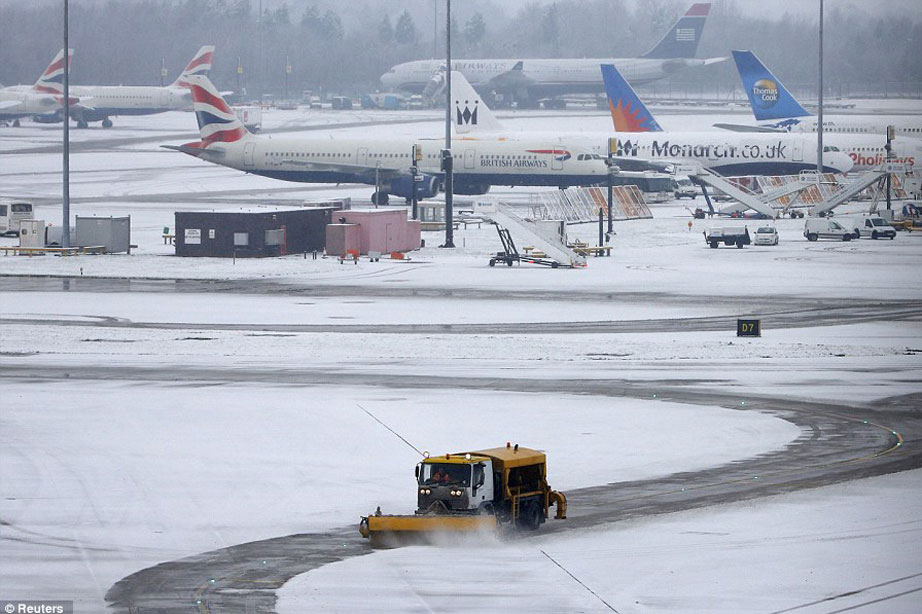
(776, 109)
(527, 80)
(385, 163)
(105, 101)
(43, 99)
(641, 143)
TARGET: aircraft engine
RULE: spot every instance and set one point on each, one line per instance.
(427, 186)
(470, 189)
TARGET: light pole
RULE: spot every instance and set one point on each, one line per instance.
(819, 114)
(447, 158)
(65, 207)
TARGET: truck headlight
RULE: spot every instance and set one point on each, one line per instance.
(424, 491)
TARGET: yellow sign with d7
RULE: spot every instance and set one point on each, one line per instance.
(749, 328)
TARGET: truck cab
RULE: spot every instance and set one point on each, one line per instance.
(457, 482)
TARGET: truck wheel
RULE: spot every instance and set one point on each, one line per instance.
(811, 236)
(508, 261)
(713, 244)
(874, 235)
(847, 237)
(492, 262)
(530, 517)
(739, 245)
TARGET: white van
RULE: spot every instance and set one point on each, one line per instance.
(11, 211)
(826, 228)
(872, 226)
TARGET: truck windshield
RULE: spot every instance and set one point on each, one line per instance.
(445, 473)
(878, 221)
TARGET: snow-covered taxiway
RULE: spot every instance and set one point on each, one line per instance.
(186, 435)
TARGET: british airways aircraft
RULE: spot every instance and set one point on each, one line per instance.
(382, 162)
(528, 80)
(43, 100)
(776, 110)
(105, 101)
(641, 142)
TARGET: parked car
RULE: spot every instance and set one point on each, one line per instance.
(684, 188)
(766, 235)
(825, 228)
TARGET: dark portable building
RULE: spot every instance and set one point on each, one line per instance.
(253, 232)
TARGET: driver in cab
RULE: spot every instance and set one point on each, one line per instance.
(441, 476)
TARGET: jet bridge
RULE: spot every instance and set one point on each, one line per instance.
(760, 202)
(860, 183)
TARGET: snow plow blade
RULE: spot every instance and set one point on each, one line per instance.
(396, 531)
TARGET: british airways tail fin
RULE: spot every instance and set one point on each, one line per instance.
(217, 122)
(52, 80)
(628, 112)
(767, 96)
(471, 113)
(200, 64)
(681, 41)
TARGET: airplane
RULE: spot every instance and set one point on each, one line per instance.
(776, 109)
(863, 140)
(43, 100)
(643, 145)
(384, 163)
(528, 80)
(105, 101)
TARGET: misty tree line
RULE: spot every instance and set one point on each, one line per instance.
(345, 48)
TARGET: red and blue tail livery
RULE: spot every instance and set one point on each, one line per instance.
(200, 64)
(52, 80)
(217, 122)
(628, 112)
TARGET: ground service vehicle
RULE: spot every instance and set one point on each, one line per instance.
(684, 188)
(766, 235)
(11, 211)
(873, 226)
(728, 235)
(825, 228)
(466, 492)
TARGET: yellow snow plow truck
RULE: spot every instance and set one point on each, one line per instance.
(467, 492)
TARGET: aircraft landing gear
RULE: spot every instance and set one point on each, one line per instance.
(379, 198)
(16, 123)
(82, 124)
(107, 123)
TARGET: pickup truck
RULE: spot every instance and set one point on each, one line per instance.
(728, 235)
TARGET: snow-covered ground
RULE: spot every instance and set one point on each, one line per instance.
(99, 479)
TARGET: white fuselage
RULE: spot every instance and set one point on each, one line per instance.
(22, 103)
(538, 77)
(843, 124)
(106, 100)
(476, 163)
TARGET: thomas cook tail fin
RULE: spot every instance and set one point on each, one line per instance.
(767, 96)
(681, 41)
(628, 112)
(52, 80)
(199, 65)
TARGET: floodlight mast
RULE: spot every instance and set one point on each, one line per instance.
(65, 206)
(447, 157)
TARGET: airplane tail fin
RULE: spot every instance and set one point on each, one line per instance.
(199, 65)
(767, 96)
(681, 41)
(628, 112)
(217, 122)
(471, 113)
(52, 80)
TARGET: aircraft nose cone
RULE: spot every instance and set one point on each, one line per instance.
(388, 79)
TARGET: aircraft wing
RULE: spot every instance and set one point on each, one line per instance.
(384, 172)
(512, 79)
(747, 128)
